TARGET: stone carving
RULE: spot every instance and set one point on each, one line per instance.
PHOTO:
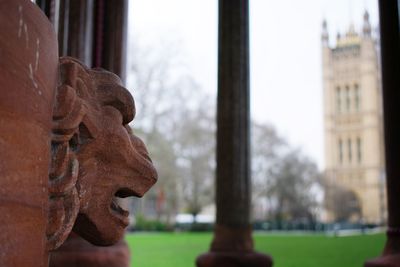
(95, 157)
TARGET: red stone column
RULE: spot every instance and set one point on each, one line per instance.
(390, 51)
(233, 244)
(28, 79)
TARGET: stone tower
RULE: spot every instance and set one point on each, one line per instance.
(354, 156)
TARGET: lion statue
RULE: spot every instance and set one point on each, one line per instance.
(95, 157)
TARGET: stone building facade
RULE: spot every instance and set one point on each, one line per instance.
(354, 153)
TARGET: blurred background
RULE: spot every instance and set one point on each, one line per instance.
(316, 134)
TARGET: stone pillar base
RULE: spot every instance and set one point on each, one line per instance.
(384, 261)
(77, 252)
(234, 259)
(233, 247)
(391, 254)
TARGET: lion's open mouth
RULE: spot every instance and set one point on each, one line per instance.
(117, 208)
(117, 200)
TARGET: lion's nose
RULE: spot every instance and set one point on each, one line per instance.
(143, 165)
(140, 147)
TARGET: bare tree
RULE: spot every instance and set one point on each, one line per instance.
(266, 149)
(176, 121)
(196, 146)
(343, 203)
(285, 182)
(291, 185)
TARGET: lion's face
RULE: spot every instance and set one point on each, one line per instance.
(112, 161)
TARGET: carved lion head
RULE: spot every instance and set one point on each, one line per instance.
(95, 156)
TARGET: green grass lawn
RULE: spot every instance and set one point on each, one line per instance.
(181, 249)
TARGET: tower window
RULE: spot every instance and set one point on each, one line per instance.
(349, 149)
(359, 152)
(357, 97)
(338, 100)
(340, 148)
(348, 99)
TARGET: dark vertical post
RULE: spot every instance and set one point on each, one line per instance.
(233, 243)
(111, 36)
(80, 30)
(390, 52)
(75, 29)
(62, 27)
(233, 115)
(47, 6)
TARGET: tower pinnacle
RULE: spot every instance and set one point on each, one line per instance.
(366, 25)
(324, 33)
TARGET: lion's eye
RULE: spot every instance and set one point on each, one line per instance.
(81, 137)
(128, 129)
(84, 134)
(74, 142)
(114, 113)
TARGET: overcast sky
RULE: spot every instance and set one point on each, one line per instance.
(285, 66)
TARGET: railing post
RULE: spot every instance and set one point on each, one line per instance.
(233, 243)
(390, 50)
